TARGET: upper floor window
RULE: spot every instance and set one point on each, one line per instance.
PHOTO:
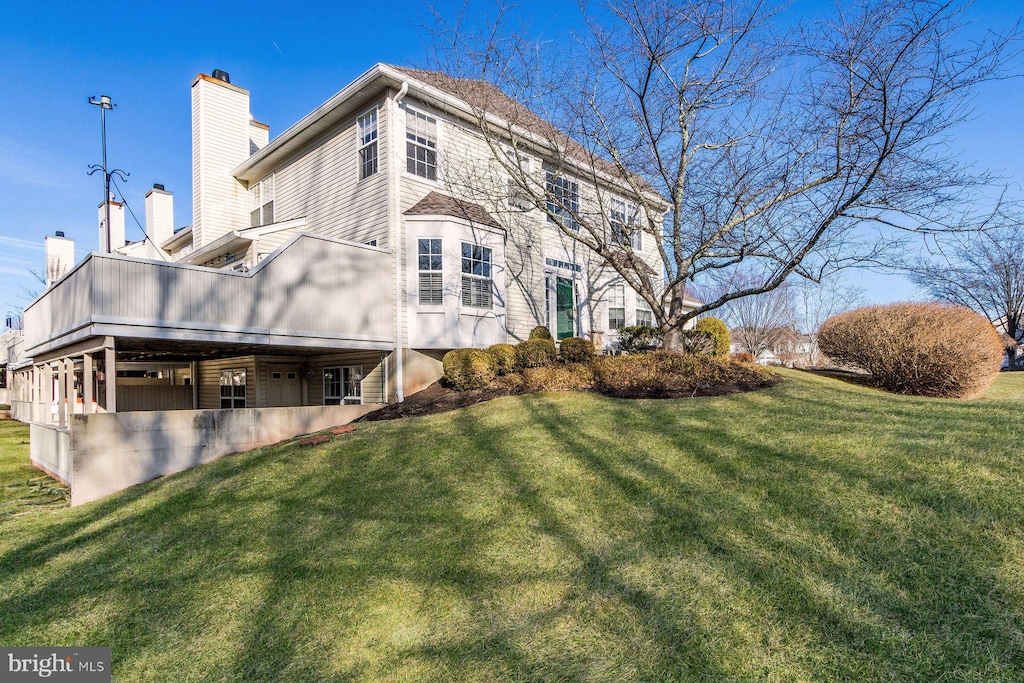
(518, 196)
(476, 276)
(261, 202)
(616, 307)
(366, 126)
(421, 144)
(430, 265)
(563, 200)
(625, 224)
(232, 388)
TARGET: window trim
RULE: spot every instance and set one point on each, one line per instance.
(630, 220)
(260, 186)
(417, 112)
(234, 398)
(431, 270)
(375, 142)
(642, 305)
(620, 297)
(553, 179)
(342, 398)
(485, 281)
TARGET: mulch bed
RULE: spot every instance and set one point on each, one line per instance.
(439, 399)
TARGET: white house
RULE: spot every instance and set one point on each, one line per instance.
(326, 271)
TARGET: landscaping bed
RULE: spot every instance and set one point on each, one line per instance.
(648, 375)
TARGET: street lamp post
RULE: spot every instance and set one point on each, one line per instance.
(104, 103)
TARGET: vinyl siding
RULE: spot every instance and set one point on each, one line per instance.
(322, 184)
(220, 142)
(209, 382)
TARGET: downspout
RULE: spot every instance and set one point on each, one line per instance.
(396, 173)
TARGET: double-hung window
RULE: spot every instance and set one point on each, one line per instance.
(421, 144)
(430, 271)
(261, 202)
(644, 314)
(616, 307)
(563, 200)
(232, 388)
(518, 196)
(343, 385)
(366, 126)
(476, 276)
(625, 224)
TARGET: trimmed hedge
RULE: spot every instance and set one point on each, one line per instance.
(503, 357)
(466, 369)
(719, 331)
(923, 349)
(637, 338)
(561, 377)
(535, 353)
(541, 332)
(661, 374)
(576, 350)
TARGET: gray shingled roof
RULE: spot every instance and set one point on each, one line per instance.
(437, 204)
(488, 98)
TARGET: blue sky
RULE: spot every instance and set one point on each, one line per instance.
(54, 55)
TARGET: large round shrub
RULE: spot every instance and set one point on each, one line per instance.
(466, 369)
(917, 348)
(576, 350)
(719, 331)
(503, 358)
(541, 332)
(535, 353)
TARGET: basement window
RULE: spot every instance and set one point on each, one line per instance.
(343, 385)
(232, 388)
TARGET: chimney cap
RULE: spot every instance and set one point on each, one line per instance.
(158, 186)
(222, 75)
(60, 233)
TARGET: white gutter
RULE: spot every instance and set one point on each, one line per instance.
(395, 172)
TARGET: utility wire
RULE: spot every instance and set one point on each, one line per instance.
(145, 235)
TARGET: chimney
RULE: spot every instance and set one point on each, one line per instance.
(60, 256)
(220, 142)
(159, 215)
(116, 226)
(259, 135)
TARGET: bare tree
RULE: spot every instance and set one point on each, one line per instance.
(816, 302)
(760, 322)
(796, 152)
(983, 271)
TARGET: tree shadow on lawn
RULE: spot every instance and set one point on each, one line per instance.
(672, 546)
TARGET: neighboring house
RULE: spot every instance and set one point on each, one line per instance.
(327, 269)
(778, 346)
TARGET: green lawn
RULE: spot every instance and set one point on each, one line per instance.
(813, 531)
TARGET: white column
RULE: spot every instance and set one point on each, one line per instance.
(69, 369)
(62, 393)
(87, 379)
(110, 369)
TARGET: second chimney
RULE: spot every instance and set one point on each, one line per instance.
(60, 257)
(159, 215)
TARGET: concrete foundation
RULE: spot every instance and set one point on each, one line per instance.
(104, 453)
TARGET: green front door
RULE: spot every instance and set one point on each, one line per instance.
(564, 308)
